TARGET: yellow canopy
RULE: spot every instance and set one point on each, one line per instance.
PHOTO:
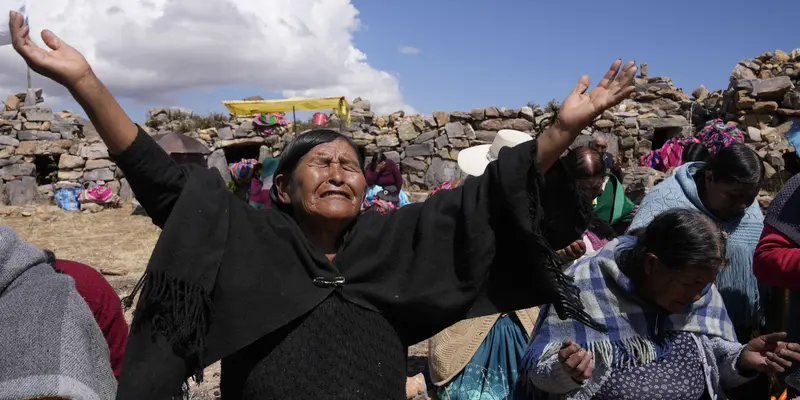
(251, 107)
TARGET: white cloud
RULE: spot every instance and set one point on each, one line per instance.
(149, 50)
(408, 50)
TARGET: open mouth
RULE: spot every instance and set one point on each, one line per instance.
(339, 193)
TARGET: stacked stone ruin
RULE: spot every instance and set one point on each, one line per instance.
(38, 145)
(763, 98)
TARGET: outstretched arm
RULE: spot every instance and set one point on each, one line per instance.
(579, 109)
(154, 177)
(487, 238)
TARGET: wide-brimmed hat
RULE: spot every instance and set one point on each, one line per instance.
(473, 160)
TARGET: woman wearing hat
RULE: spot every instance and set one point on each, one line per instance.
(313, 298)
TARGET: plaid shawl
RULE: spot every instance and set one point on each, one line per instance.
(50, 343)
(635, 335)
(736, 282)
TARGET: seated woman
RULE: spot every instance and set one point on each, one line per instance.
(478, 358)
(724, 188)
(668, 333)
(777, 261)
(51, 346)
(385, 173)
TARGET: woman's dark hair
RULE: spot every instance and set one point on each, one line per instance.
(680, 238)
(257, 167)
(297, 149)
(584, 162)
(736, 163)
(694, 152)
(568, 210)
(379, 158)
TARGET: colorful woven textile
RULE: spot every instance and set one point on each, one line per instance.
(717, 135)
(242, 171)
(445, 185)
(381, 206)
(98, 195)
(714, 136)
(267, 122)
(670, 155)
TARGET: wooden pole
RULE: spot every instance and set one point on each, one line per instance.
(29, 77)
(294, 118)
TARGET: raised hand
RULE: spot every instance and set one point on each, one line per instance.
(577, 361)
(767, 353)
(579, 109)
(63, 64)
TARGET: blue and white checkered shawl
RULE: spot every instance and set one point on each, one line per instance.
(635, 335)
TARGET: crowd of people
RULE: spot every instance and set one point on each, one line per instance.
(535, 277)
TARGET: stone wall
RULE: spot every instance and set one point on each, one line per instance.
(762, 98)
(41, 149)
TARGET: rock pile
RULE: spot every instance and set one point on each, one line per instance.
(41, 150)
(657, 112)
(764, 98)
(425, 146)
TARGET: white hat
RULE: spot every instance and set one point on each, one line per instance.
(473, 161)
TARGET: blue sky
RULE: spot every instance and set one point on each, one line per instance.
(508, 52)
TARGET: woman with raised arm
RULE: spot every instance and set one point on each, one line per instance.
(342, 294)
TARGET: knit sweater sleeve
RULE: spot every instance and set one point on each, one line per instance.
(777, 260)
(727, 356)
(548, 376)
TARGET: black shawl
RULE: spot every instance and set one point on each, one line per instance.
(223, 274)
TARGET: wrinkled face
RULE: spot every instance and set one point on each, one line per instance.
(592, 187)
(327, 184)
(728, 200)
(676, 290)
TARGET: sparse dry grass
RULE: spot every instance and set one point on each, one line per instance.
(112, 241)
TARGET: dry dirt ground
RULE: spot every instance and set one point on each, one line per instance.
(118, 244)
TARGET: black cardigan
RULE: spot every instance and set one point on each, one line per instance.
(467, 252)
